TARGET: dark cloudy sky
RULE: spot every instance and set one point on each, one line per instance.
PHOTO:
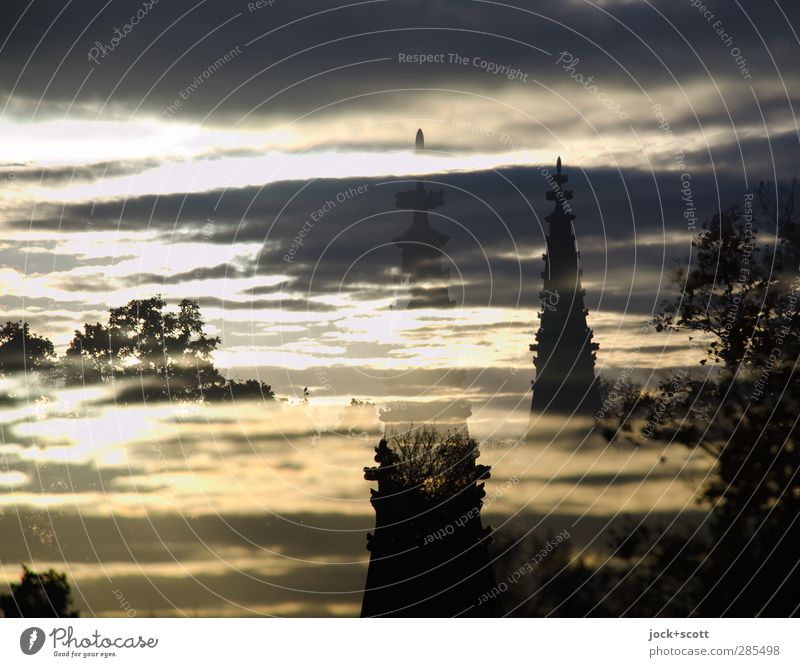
(179, 148)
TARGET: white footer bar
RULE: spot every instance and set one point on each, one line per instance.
(398, 642)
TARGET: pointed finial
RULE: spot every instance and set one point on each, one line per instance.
(419, 142)
(556, 193)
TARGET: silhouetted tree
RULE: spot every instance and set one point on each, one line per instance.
(564, 583)
(39, 595)
(643, 572)
(169, 353)
(740, 300)
(432, 464)
(24, 351)
(622, 403)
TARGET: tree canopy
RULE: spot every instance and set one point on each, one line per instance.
(154, 353)
(739, 299)
(169, 353)
(23, 351)
(38, 595)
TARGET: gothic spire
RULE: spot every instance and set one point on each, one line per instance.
(565, 352)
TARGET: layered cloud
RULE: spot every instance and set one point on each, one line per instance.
(248, 157)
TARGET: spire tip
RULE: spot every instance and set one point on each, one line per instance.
(419, 142)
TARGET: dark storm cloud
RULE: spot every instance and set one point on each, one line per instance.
(257, 304)
(153, 541)
(754, 158)
(167, 55)
(630, 229)
(105, 284)
(59, 478)
(54, 176)
(490, 388)
(229, 270)
(166, 538)
(162, 538)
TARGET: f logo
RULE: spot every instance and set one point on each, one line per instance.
(31, 640)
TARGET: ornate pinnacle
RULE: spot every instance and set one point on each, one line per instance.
(559, 177)
(557, 194)
(420, 199)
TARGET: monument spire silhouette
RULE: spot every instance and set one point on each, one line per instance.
(425, 280)
(420, 246)
(564, 350)
(429, 552)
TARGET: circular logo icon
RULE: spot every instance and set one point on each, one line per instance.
(31, 640)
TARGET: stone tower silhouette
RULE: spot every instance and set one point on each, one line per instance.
(426, 280)
(429, 552)
(564, 351)
(420, 246)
